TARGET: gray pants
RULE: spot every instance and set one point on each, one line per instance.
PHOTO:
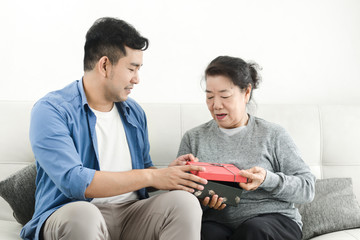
(172, 215)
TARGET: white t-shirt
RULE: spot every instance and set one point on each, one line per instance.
(114, 153)
(232, 131)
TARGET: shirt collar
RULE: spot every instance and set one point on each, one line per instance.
(82, 94)
(124, 106)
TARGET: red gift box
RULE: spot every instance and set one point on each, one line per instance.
(218, 172)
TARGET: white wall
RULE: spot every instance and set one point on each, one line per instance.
(309, 50)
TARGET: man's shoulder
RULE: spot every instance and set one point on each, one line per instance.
(67, 97)
(68, 93)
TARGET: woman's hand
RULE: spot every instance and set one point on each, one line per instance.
(215, 203)
(255, 176)
(180, 161)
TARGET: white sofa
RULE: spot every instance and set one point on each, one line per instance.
(327, 135)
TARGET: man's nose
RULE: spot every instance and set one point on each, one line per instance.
(136, 78)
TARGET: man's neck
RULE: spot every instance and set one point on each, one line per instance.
(94, 93)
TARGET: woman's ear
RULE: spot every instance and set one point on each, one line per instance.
(248, 93)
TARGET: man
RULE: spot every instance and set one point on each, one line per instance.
(91, 147)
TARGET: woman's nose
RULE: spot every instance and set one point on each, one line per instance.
(218, 103)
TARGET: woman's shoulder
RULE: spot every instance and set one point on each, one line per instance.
(268, 126)
(202, 128)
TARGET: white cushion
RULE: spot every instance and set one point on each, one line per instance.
(14, 127)
(164, 132)
(9, 230)
(353, 234)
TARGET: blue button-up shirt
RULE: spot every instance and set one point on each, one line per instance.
(64, 142)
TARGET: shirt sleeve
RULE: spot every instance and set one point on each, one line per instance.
(291, 180)
(146, 150)
(55, 151)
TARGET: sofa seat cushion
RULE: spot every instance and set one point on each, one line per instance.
(10, 230)
(352, 234)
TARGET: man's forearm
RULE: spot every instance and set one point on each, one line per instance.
(107, 184)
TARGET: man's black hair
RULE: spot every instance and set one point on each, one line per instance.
(108, 37)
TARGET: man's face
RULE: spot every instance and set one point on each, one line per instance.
(123, 75)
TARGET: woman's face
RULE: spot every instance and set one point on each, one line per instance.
(226, 102)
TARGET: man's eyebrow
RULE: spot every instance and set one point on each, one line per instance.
(135, 64)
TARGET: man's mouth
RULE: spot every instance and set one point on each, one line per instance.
(220, 116)
(128, 89)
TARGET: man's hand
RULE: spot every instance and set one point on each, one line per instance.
(215, 203)
(177, 178)
(255, 176)
(181, 161)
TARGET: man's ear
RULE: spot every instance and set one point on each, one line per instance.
(103, 66)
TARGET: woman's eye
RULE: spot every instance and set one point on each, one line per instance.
(225, 96)
(131, 70)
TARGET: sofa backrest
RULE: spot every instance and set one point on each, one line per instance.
(327, 135)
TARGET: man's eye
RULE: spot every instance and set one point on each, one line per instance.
(131, 70)
(210, 97)
(225, 96)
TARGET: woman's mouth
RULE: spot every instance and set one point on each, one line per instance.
(220, 116)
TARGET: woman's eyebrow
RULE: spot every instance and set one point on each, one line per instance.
(221, 91)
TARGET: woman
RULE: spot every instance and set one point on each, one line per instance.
(277, 175)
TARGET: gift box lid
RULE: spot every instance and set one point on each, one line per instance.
(218, 172)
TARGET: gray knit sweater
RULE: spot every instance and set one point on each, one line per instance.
(264, 144)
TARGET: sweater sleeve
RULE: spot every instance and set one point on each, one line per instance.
(185, 145)
(291, 180)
